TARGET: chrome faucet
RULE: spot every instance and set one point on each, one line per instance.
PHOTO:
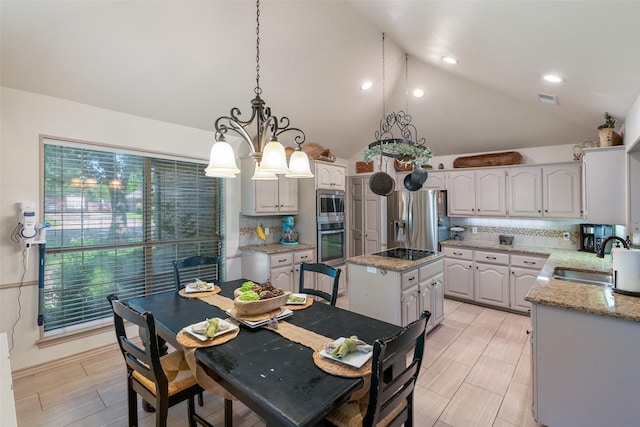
(625, 243)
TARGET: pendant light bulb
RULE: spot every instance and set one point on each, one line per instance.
(274, 158)
(222, 161)
(299, 165)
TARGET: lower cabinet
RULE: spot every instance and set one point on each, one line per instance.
(498, 279)
(398, 297)
(281, 269)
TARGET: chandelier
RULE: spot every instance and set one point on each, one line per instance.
(268, 153)
(405, 143)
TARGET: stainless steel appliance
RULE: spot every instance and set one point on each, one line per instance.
(330, 205)
(332, 240)
(405, 253)
(593, 235)
(415, 218)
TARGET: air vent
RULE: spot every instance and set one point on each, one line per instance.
(548, 99)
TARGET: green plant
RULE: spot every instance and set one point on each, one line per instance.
(609, 122)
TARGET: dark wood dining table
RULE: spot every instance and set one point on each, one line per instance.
(275, 377)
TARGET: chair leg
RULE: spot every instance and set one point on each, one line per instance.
(200, 399)
(191, 411)
(132, 399)
(228, 413)
(162, 412)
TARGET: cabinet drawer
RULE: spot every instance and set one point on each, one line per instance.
(279, 260)
(430, 270)
(460, 253)
(491, 257)
(528, 261)
(409, 279)
(302, 256)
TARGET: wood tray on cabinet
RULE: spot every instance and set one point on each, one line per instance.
(493, 159)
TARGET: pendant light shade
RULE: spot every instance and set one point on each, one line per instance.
(222, 161)
(299, 165)
(260, 174)
(274, 158)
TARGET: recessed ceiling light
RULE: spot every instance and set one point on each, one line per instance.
(366, 85)
(449, 59)
(553, 78)
(418, 93)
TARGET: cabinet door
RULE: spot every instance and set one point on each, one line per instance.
(462, 194)
(437, 295)
(287, 195)
(491, 193)
(323, 176)
(282, 278)
(604, 185)
(410, 303)
(435, 180)
(520, 282)
(372, 221)
(338, 181)
(491, 284)
(524, 192)
(561, 191)
(458, 278)
(266, 196)
(356, 193)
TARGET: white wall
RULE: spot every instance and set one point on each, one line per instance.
(24, 117)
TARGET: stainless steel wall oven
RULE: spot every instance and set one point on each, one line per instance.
(332, 240)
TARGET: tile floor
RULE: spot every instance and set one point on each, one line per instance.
(476, 372)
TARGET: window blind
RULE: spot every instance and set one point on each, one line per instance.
(118, 221)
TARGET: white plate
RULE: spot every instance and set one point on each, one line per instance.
(289, 302)
(193, 287)
(229, 327)
(456, 229)
(284, 313)
(355, 359)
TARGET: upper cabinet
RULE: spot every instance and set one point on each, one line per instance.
(330, 176)
(477, 193)
(436, 180)
(603, 198)
(277, 197)
(551, 191)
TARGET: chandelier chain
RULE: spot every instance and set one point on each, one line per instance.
(258, 90)
(384, 109)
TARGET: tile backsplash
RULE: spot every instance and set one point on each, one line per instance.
(248, 226)
(544, 233)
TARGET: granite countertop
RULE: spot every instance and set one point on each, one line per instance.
(277, 248)
(594, 299)
(392, 264)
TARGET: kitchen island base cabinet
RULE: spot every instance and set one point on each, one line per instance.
(398, 297)
(281, 269)
(585, 368)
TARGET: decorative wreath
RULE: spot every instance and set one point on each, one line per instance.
(405, 153)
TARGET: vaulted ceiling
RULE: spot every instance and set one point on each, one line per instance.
(190, 62)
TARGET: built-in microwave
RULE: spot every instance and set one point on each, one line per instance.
(330, 206)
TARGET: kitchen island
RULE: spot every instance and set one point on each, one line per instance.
(397, 290)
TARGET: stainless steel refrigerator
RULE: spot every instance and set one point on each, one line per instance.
(417, 219)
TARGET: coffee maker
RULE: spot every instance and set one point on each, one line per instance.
(593, 235)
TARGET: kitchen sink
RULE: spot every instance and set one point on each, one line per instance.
(589, 277)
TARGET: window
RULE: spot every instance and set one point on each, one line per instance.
(118, 221)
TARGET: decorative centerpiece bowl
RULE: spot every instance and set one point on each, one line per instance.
(252, 308)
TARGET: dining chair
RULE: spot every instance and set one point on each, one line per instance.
(205, 267)
(393, 378)
(161, 381)
(320, 268)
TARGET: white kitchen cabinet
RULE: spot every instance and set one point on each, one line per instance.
(325, 283)
(281, 269)
(603, 197)
(276, 197)
(561, 192)
(524, 192)
(397, 297)
(477, 193)
(491, 284)
(525, 269)
(458, 273)
(365, 217)
(330, 176)
(585, 368)
(436, 180)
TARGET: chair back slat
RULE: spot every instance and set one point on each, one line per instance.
(325, 269)
(144, 360)
(392, 379)
(198, 266)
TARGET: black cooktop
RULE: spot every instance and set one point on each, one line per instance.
(406, 253)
